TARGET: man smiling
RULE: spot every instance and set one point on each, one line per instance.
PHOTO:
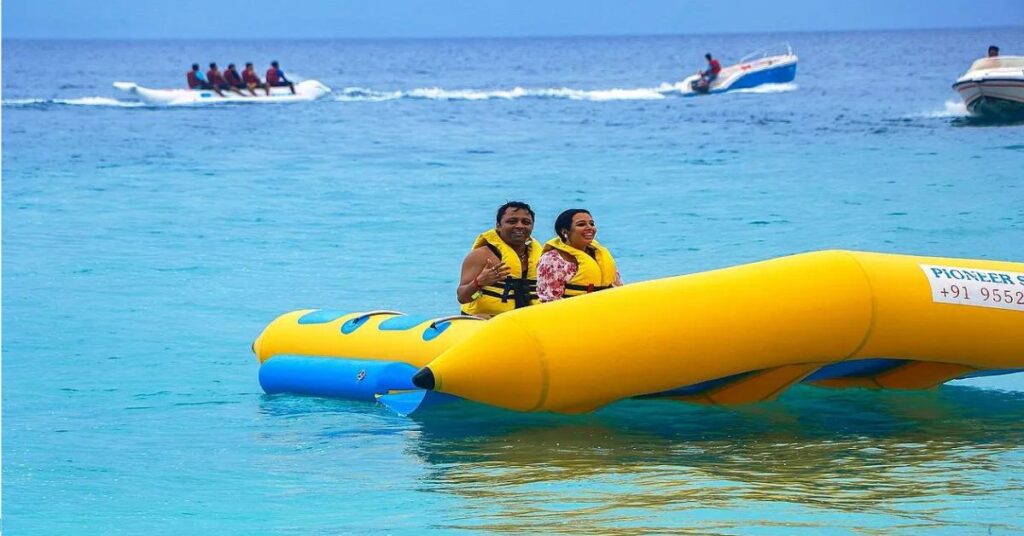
(500, 272)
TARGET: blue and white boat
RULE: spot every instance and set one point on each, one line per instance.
(773, 65)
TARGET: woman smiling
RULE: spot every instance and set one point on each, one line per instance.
(574, 262)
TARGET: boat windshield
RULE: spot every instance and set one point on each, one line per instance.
(999, 62)
(778, 49)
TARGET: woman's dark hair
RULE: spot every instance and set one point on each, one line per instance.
(514, 205)
(564, 221)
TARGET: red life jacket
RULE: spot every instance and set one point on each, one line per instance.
(250, 77)
(715, 66)
(193, 80)
(272, 77)
(232, 77)
(214, 78)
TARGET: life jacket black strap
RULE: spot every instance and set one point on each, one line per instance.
(586, 288)
(521, 291)
(523, 284)
(500, 295)
(494, 249)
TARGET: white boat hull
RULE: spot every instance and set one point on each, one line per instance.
(306, 90)
(994, 88)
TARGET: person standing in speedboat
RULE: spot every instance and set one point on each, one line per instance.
(573, 262)
(196, 79)
(252, 80)
(708, 76)
(276, 78)
(500, 272)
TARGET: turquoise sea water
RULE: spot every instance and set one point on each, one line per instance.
(144, 248)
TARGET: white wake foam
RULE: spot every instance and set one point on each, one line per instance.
(952, 108)
(83, 101)
(769, 88)
(360, 94)
(357, 94)
(351, 94)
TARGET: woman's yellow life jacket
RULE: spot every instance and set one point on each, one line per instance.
(593, 273)
(519, 289)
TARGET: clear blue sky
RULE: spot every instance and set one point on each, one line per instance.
(246, 19)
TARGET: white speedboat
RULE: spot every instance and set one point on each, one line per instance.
(772, 65)
(306, 90)
(994, 87)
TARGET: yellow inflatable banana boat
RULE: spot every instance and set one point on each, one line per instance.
(746, 333)
(730, 336)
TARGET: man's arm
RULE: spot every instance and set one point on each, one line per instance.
(479, 269)
(471, 267)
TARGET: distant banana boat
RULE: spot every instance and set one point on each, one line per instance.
(306, 90)
(732, 336)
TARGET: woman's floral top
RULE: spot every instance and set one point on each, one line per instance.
(554, 271)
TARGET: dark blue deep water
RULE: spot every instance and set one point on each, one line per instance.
(144, 248)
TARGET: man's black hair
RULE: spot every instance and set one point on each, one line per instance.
(213, 65)
(993, 48)
(513, 205)
(248, 64)
(708, 55)
(195, 66)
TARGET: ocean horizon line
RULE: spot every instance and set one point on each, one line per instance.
(508, 37)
